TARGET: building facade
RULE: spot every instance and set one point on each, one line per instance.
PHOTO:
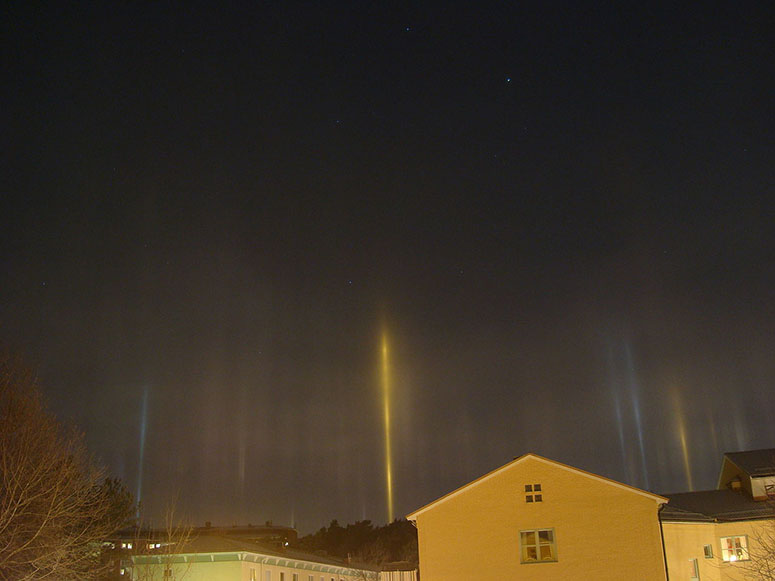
(222, 558)
(539, 519)
(728, 533)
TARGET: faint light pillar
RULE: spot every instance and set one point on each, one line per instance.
(386, 406)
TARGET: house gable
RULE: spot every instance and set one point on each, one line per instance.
(521, 460)
(488, 529)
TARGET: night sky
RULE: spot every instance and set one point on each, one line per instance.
(563, 215)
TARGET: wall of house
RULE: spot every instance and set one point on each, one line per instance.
(601, 531)
(218, 571)
(759, 486)
(237, 570)
(685, 541)
(729, 471)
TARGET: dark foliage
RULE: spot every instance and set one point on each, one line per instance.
(363, 542)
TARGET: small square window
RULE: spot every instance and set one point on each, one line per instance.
(528, 488)
(539, 497)
(537, 487)
(529, 498)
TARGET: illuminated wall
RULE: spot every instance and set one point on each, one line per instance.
(600, 529)
(241, 566)
(686, 542)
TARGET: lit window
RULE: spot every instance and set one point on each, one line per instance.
(537, 546)
(734, 548)
(694, 569)
(122, 571)
(129, 545)
(708, 550)
(252, 575)
(123, 545)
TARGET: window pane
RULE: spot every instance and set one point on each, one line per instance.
(546, 553)
(537, 487)
(529, 498)
(539, 498)
(528, 488)
(530, 554)
(545, 536)
(529, 538)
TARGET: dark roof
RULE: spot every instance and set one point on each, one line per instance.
(755, 462)
(713, 506)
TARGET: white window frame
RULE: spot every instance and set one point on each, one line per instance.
(725, 552)
(537, 545)
(694, 570)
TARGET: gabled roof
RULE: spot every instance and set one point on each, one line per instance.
(713, 506)
(531, 456)
(754, 462)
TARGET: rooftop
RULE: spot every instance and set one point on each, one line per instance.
(713, 505)
(755, 462)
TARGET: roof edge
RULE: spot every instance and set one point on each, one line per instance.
(413, 515)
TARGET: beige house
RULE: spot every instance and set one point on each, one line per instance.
(535, 518)
(219, 558)
(717, 535)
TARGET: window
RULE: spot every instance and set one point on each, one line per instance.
(268, 576)
(252, 575)
(533, 497)
(734, 548)
(282, 576)
(694, 569)
(537, 546)
(168, 574)
(708, 550)
(295, 577)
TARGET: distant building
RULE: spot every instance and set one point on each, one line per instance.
(119, 548)
(715, 535)
(214, 554)
(535, 518)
